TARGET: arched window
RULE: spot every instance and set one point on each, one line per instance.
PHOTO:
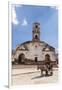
(36, 36)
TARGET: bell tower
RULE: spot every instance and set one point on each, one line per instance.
(36, 32)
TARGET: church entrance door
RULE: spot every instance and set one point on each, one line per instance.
(36, 59)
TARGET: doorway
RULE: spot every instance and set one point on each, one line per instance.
(36, 59)
(21, 58)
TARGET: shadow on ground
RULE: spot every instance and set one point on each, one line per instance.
(24, 73)
(37, 77)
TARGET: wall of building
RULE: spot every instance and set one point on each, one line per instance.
(35, 50)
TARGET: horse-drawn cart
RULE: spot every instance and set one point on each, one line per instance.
(46, 70)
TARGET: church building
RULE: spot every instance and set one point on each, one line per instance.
(34, 51)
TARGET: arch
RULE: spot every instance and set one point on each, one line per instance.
(36, 36)
(36, 26)
(47, 58)
(21, 58)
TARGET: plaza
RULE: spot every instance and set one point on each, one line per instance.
(29, 75)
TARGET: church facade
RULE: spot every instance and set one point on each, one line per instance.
(34, 51)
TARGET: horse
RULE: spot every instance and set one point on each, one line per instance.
(45, 70)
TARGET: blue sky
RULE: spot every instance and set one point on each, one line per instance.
(23, 17)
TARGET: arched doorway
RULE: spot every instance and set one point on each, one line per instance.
(47, 58)
(21, 58)
(36, 59)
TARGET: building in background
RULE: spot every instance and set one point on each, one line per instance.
(34, 51)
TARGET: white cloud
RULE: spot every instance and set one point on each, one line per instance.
(14, 17)
(24, 23)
